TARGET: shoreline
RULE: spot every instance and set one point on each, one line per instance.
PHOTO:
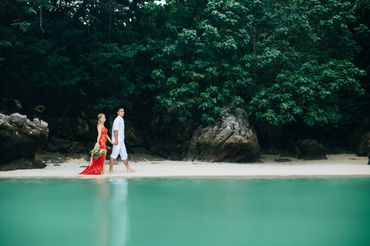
(336, 166)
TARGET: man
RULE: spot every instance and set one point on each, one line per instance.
(118, 138)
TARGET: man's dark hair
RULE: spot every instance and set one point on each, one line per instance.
(118, 108)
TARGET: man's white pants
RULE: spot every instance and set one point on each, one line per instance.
(120, 150)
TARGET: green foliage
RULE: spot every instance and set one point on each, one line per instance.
(317, 94)
(286, 61)
(203, 69)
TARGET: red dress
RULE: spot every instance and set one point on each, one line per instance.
(96, 164)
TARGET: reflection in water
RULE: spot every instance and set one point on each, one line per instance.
(102, 205)
(118, 212)
(112, 212)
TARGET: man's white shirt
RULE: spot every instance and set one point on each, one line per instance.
(119, 124)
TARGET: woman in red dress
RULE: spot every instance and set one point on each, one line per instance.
(96, 165)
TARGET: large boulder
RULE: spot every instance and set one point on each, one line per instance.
(364, 145)
(232, 139)
(20, 138)
(310, 149)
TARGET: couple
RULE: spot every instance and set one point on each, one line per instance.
(96, 165)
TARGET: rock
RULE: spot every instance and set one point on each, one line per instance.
(231, 139)
(71, 134)
(310, 149)
(282, 160)
(50, 157)
(168, 141)
(77, 147)
(73, 128)
(92, 123)
(22, 163)
(82, 130)
(65, 146)
(59, 145)
(20, 138)
(364, 145)
(169, 150)
(61, 128)
(133, 137)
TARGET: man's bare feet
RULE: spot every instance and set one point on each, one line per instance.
(130, 170)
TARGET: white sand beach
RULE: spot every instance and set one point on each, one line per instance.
(336, 165)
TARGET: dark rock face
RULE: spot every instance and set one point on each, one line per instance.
(20, 138)
(72, 128)
(310, 149)
(169, 141)
(231, 139)
(77, 135)
(133, 138)
(71, 135)
(58, 145)
(22, 164)
(282, 160)
(169, 149)
(364, 145)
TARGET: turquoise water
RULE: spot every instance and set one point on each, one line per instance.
(185, 212)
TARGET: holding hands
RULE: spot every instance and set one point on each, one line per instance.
(113, 143)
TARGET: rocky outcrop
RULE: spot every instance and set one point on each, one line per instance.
(364, 145)
(20, 138)
(310, 149)
(231, 139)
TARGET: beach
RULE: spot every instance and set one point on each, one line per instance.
(339, 165)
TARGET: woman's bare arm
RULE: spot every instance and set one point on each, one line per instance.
(99, 133)
(110, 140)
